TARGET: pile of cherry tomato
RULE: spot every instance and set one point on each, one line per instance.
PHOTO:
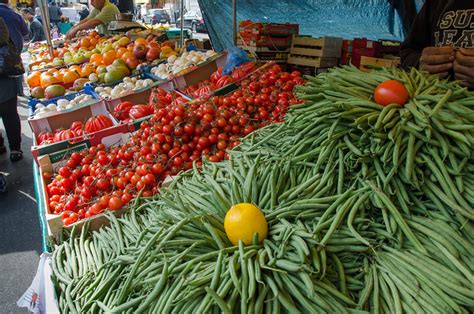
(177, 135)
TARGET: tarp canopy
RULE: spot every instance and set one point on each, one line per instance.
(372, 19)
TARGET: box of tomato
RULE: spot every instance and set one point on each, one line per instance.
(65, 130)
(50, 163)
(135, 108)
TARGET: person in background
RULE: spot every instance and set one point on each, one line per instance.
(36, 29)
(102, 14)
(54, 13)
(441, 40)
(38, 15)
(84, 13)
(64, 25)
(11, 27)
(138, 12)
(15, 23)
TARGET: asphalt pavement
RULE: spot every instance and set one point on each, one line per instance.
(20, 235)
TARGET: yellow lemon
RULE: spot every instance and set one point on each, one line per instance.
(242, 221)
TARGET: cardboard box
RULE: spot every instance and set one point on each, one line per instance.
(204, 44)
(64, 120)
(49, 162)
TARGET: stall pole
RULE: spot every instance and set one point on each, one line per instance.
(234, 21)
(182, 24)
(43, 4)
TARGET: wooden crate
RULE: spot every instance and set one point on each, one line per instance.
(271, 29)
(265, 49)
(327, 47)
(369, 63)
(316, 62)
(276, 42)
(276, 56)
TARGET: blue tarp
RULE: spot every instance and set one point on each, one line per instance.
(372, 19)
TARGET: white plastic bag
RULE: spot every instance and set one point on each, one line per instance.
(39, 297)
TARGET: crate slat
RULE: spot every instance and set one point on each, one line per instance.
(317, 62)
(316, 47)
(368, 63)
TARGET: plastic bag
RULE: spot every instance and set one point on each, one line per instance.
(235, 57)
(40, 296)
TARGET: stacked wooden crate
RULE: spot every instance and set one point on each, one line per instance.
(317, 53)
(266, 41)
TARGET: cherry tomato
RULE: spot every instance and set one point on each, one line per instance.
(115, 203)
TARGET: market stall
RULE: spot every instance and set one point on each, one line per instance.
(180, 180)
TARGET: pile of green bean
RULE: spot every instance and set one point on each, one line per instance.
(369, 209)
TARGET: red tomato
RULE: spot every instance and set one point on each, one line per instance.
(121, 112)
(115, 203)
(391, 92)
(140, 111)
(97, 123)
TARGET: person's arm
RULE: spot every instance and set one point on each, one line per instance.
(417, 39)
(87, 23)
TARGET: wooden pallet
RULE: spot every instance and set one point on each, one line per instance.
(328, 47)
(369, 63)
(316, 62)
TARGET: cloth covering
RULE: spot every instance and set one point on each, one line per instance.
(373, 19)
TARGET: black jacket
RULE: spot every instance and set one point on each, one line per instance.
(439, 23)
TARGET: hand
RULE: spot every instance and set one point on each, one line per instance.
(437, 60)
(71, 33)
(464, 67)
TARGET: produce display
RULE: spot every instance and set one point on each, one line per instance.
(75, 132)
(176, 64)
(176, 135)
(347, 206)
(60, 105)
(108, 60)
(128, 86)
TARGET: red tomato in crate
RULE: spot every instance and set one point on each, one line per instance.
(63, 135)
(140, 111)
(223, 81)
(122, 110)
(76, 125)
(97, 123)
